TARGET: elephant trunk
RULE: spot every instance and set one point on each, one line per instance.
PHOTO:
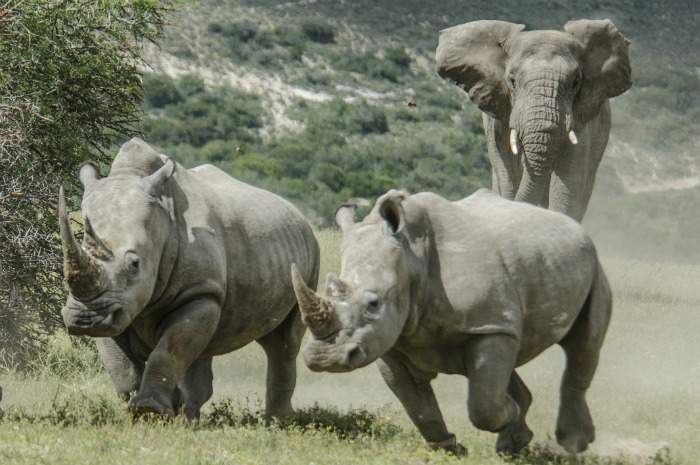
(81, 271)
(543, 132)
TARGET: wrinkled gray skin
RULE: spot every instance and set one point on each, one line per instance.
(476, 287)
(544, 95)
(178, 266)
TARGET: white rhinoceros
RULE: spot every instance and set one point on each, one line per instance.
(177, 266)
(476, 287)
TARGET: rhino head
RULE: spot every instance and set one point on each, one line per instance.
(112, 274)
(365, 309)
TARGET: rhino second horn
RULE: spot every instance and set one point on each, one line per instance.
(316, 311)
(81, 272)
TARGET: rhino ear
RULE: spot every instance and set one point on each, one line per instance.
(88, 173)
(161, 176)
(344, 215)
(391, 210)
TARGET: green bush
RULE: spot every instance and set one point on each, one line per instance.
(221, 114)
(160, 90)
(189, 85)
(398, 56)
(240, 30)
(318, 30)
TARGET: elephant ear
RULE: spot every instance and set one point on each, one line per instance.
(471, 56)
(606, 65)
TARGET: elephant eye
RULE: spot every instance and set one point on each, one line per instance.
(577, 81)
(511, 81)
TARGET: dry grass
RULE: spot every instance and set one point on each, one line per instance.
(644, 400)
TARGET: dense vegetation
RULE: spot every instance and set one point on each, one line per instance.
(68, 87)
(311, 100)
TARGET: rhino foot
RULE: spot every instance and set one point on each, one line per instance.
(575, 443)
(142, 407)
(512, 439)
(575, 428)
(448, 445)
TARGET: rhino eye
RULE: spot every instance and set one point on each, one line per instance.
(371, 300)
(132, 263)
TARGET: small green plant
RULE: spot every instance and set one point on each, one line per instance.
(349, 426)
(318, 30)
(224, 413)
(538, 454)
(345, 426)
(84, 410)
(64, 358)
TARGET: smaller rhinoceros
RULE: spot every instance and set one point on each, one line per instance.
(475, 287)
(177, 266)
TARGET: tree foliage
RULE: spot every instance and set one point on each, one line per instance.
(69, 88)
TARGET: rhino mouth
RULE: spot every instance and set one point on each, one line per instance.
(98, 317)
(325, 355)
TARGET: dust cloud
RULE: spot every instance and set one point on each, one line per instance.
(644, 400)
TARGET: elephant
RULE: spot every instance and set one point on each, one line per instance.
(545, 101)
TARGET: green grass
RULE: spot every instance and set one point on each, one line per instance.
(644, 399)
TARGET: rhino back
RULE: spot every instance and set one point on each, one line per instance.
(243, 240)
(509, 267)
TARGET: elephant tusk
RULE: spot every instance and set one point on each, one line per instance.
(514, 141)
(573, 138)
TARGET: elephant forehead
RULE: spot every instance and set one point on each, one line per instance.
(547, 43)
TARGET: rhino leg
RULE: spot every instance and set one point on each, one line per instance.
(582, 345)
(490, 363)
(185, 333)
(281, 348)
(195, 388)
(517, 435)
(412, 387)
(123, 366)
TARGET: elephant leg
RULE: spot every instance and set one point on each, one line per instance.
(517, 435)
(574, 173)
(123, 366)
(281, 348)
(194, 389)
(567, 185)
(582, 345)
(412, 387)
(490, 364)
(185, 333)
(600, 130)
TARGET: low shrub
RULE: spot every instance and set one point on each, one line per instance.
(318, 30)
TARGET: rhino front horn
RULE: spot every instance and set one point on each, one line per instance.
(81, 272)
(316, 311)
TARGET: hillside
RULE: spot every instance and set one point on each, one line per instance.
(311, 99)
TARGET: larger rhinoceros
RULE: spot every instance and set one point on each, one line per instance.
(476, 287)
(177, 266)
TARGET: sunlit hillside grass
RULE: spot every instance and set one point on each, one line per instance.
(310, 99)
(644, 399)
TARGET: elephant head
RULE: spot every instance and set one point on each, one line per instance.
(543, 86)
